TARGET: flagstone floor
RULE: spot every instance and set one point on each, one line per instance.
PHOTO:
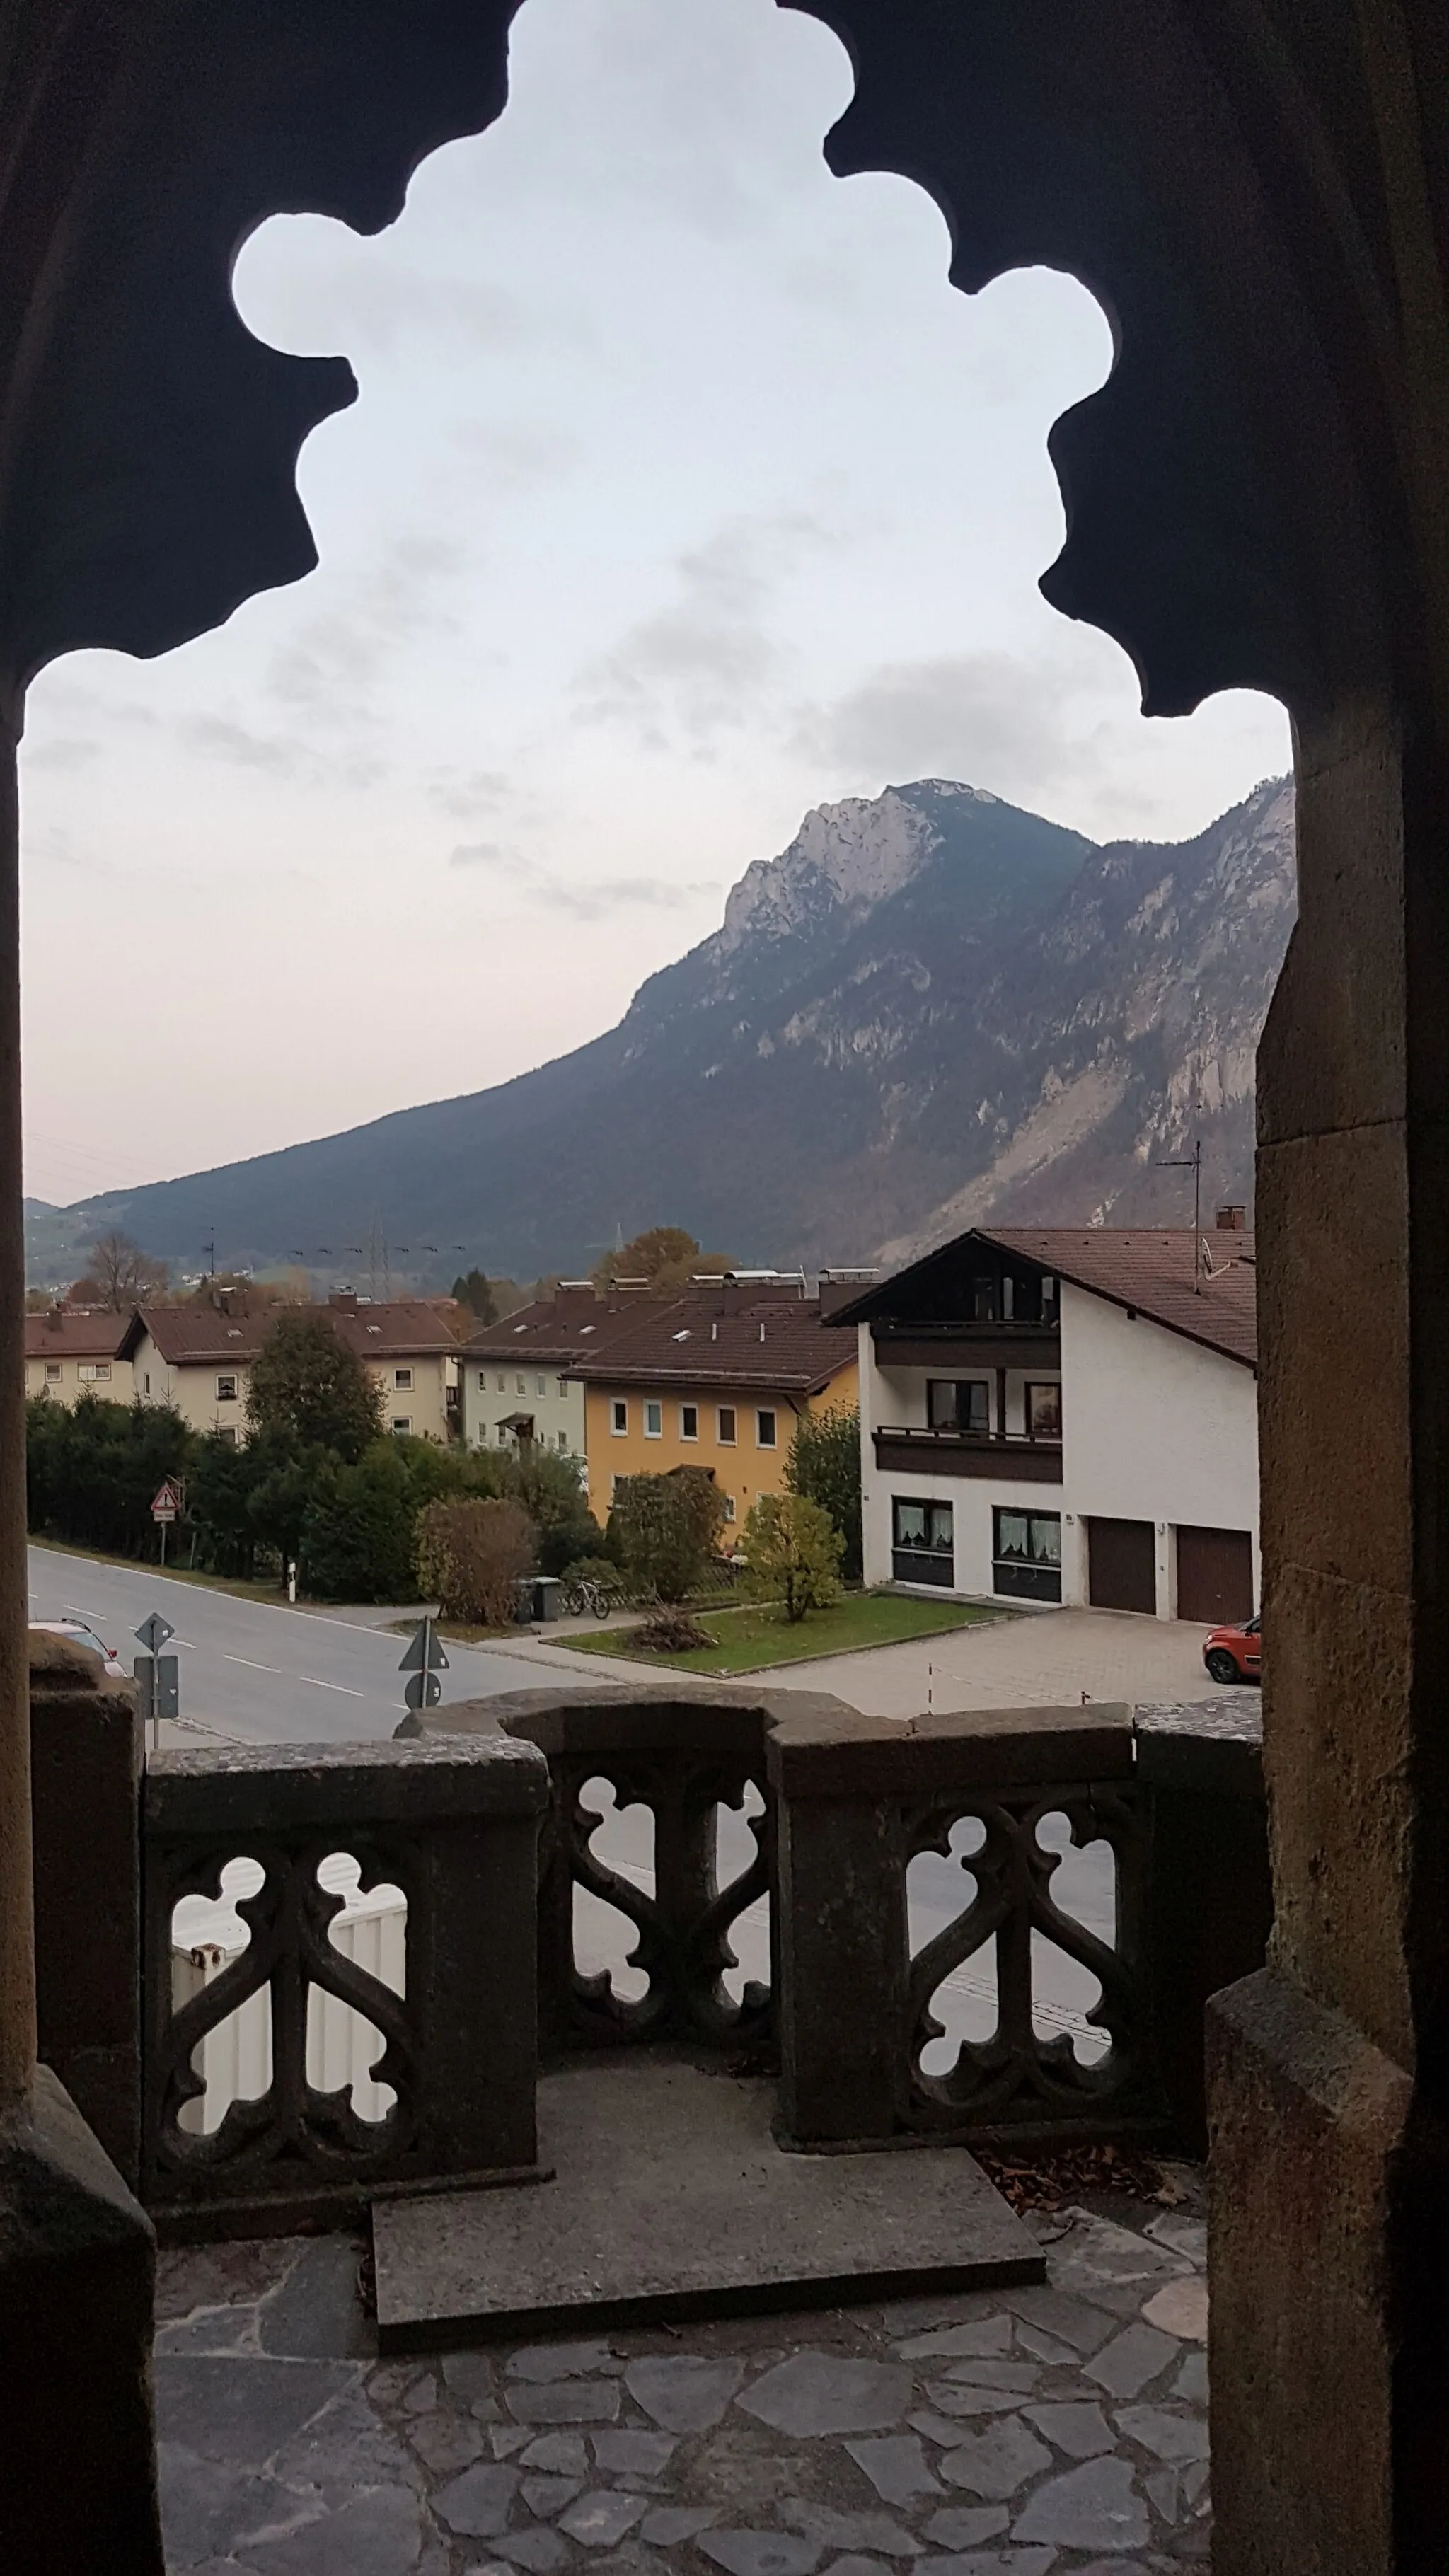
(1052, 2431)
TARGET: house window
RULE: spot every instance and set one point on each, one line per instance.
(1044, 1411)
(540, 1386)
(563, 1440)
(521, 1386)
(403, 1380)
(726, 1422)
(923, 1542)
(1027, 1554)
(402, 1422)
(764, 1431)
(689, 1422)
(226, 1390)
(54, 1372)
(619, 1412)
(148, 1382)
(653, 1420)
(483, 1381)
(226, 1434)
(729, 1504)
(563, 1389)
(502, 1382)
(93, 1372)
(959, 1404)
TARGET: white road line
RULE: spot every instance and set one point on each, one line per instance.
(337, 1686)
(251, 1667)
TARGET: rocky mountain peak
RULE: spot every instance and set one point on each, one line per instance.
(852, 856)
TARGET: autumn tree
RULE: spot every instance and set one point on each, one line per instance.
(123, 1273)
(666, 1529)
(824, 1466)
(665, 1256)
(474, 1290)
(792, 1551)
(309, 1388)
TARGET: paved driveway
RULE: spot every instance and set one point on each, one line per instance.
(1046, 1660)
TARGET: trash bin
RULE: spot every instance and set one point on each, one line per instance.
(547, 1598)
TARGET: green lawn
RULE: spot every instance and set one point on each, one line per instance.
(750, 1641)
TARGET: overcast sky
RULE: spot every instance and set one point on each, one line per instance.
(683, 494)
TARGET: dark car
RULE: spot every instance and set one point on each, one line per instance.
(1235, 1654)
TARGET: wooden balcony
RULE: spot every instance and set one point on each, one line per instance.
(968, 1350)
(902, 1449)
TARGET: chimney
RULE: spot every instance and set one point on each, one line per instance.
(1232, 1220)
(841, 1288)
(575, 1297)
(343, 1301)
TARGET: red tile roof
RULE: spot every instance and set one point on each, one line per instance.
(202, 1336)
(1154, 1271)
(92, 1333)
(690, 1342)
(555, 1332)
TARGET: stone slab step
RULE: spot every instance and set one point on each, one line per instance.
(670, 2199)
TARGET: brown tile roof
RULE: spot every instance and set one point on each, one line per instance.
(203, 1336)
(552, 1332)
(689, 1342)
(1153, 1270)
(94, 1333)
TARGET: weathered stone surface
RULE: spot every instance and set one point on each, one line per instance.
(1169, 2436)
(1080, 2429)
(572, 2401)
(600, 2520)
(1180, 2309)
(814, 2393)
(686, 2392)
(838, 2530)
(239, 2411)
(377, 2534)
(1132, 2360)
(541, 2552)
(896, 2466)
(671, 2523)
(478, 2503)
(995, 2464)
(955, 2397)
(979, 2335)
(546, 2496)
(446, 2443)
(761, 2553)
(966, 2526)
(316, 2312)
(563, 2454)
(1066, 2320)
(989, 2373)
(550, 2361)
(1093, 2507)
(645, 2455)
(470, 2375)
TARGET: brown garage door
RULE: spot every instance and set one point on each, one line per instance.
(1214, 1575)
(1121, 1565)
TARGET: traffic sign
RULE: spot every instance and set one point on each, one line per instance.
(424, 1652)
(167, 1502)
(158, 1686)
(154, 1633)
(422, 1690)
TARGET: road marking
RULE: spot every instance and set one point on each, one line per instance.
(251, 1667)
(337, 1686)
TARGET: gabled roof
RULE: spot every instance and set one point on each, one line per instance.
(90, 1333)
(209, 1337)
(553, 1331)
(688, 1342)
(1157, 1271)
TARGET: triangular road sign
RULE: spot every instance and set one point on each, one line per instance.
(424, 1651)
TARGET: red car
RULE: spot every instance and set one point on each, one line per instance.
(1235, 1654)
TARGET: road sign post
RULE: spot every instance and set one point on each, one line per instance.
(165, 1506)
(158, 1676)
(423, 1660)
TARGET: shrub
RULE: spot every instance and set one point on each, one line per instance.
(598, 1570)
(472, 1556)
(792, 1554)
(824, 1467)
(309, 1386)
(670, 1632)
(357, 1532)
(667, 1528)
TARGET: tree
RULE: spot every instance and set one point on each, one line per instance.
(472, 1556)
(220, 1487)
(824, 1466)
(357, 1535)
(125, 1275)
(665, 1256)
(474, 1292)
(792, 1552)
(667, 1528)
(309, 1387)
(91, 1472)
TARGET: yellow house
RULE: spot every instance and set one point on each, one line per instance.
(715, 1379)
(199, 1358)
(69, 1354)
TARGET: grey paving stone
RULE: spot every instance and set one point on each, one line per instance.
(991, 2562)
(966, 2526)
(316, 2312)
(1093, 2507)
(469, 2375)
(240, 2411)
(987, 2372)
(922, 2315)
(505, 2441)
(896, 2466)
(214, 2330)
(814, 2393)
(1191, 2383)
(761, 2553)
(1185, 2236)
(645, 2455)
(421, 2394)
(945, 2429)
(564, 2361)
(1167, 2436)
(854, 2565)
(376, 2534)
(477, 2504)
(1075, 2426)
(565, 2455)
(1044, 2347)
(1180, 2307)
(348, 2445)
(671, 2523)
(849, 2530)
(1132, 2359)
(1195, 2484)
(446, 2443)
(389, 2383)
(953, 2397)
(1070, 2320)
(686, 2392)
(547, 2496)
(995, 2463)
(600, 2520)
(1163, 2491)
(568, 2401)
(980, 2335)
(203, 2504)
(542, 2552)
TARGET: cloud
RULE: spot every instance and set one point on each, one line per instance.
(996, 720)
(330, 667)
(581, 899)
(467, 791)
(701, 665)
(62, 751)
(517, 459)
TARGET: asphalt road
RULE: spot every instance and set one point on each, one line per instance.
(268, 1675)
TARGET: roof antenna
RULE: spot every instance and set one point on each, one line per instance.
(1191, 1163)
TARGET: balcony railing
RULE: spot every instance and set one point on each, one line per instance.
(939, 1452)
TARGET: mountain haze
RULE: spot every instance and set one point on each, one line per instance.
(932, 1006)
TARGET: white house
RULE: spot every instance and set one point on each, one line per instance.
(1067, 1415)
(511, 1382)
